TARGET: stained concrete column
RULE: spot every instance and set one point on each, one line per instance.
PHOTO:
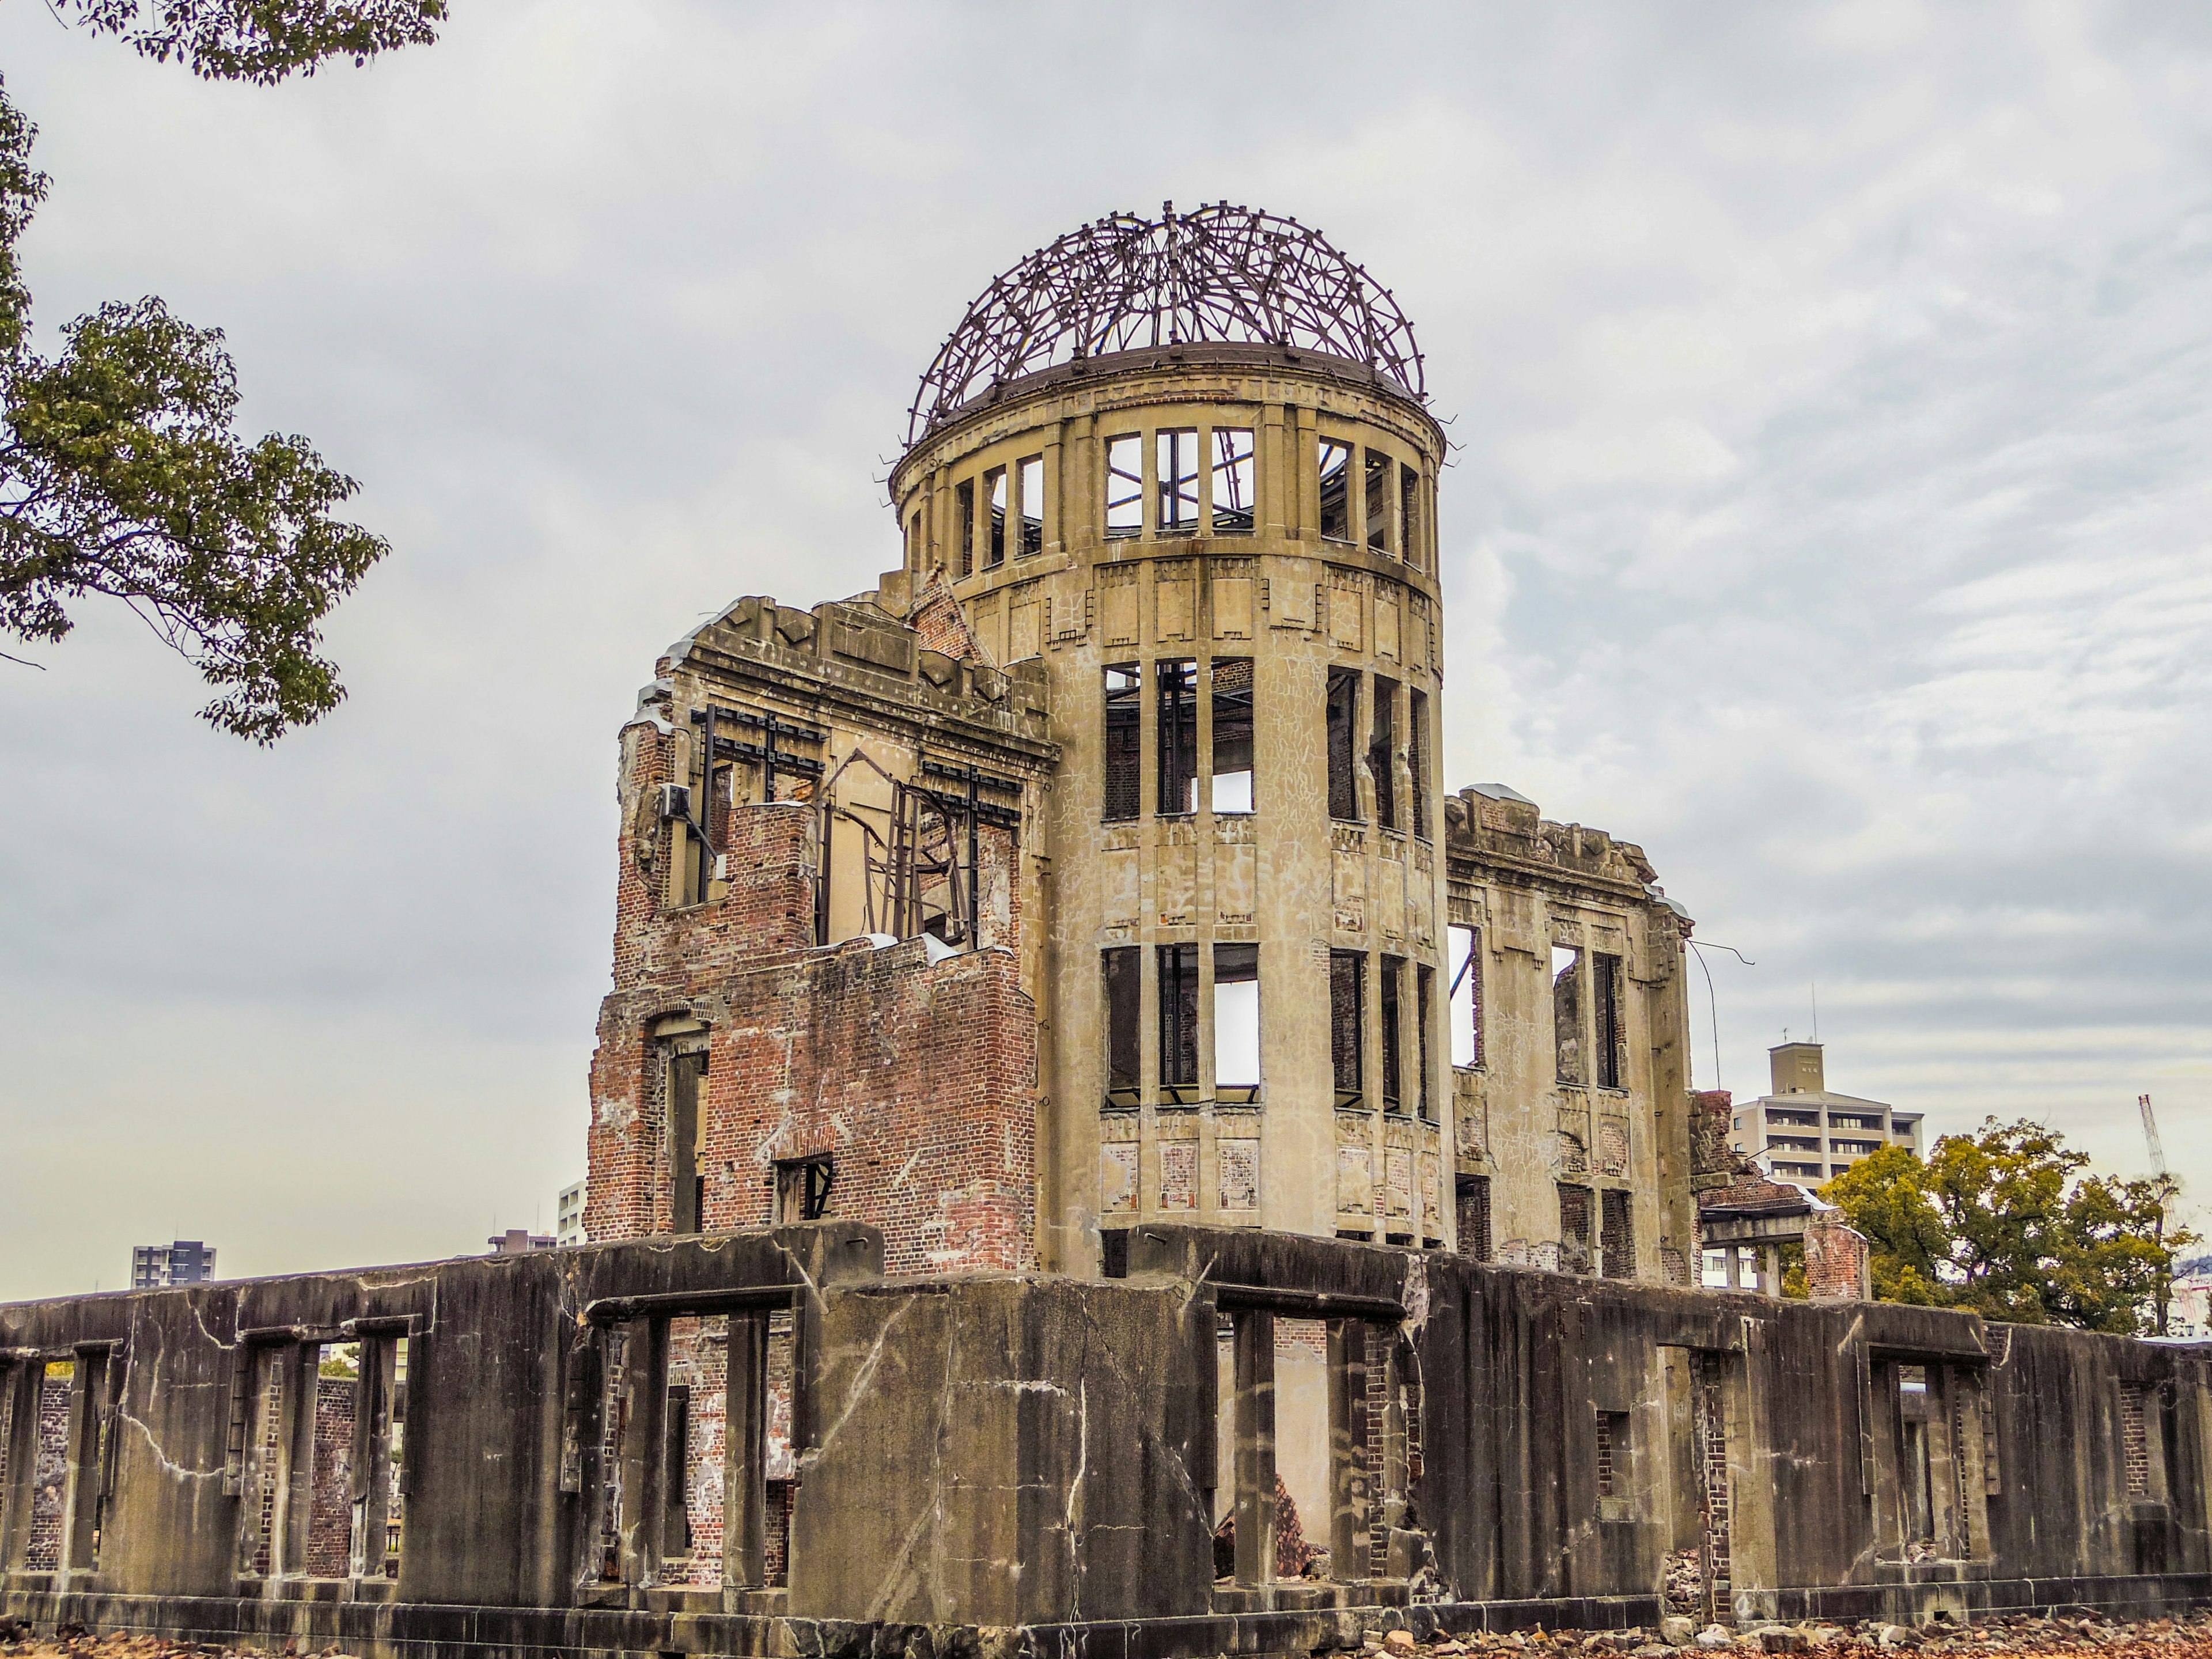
(644, 1359)
(1349, 1483)
(1254, 1345)
(744, 1457)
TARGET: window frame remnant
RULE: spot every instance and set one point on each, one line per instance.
(1234, 501)
(1465, 992)
(1375, 501)
(1570, 1051)
(1382, 749)
(995, 502)
(687, 1069)
(1409, 517)
(1176, 739)
(1123, 799)
(1348, 1026)
(964, 498)
(1391, 987)
(1178, 997)
(1029, 494)
(1176, 459)
(1333, 462)
(1417, 757)
(1341, 714)
(1125, 486)
(803, 1187)
(1605, 1004)
(1425, 1010)
(1613, 1448)
(1229, 696)
(676, 1541)
(1471, 1194)
(1576, 1222)
(1236, 1029)
(1121, 976)
(1616, 1232)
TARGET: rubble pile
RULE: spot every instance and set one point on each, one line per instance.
(2064, 1633)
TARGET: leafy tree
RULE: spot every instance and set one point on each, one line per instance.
(2005, 1223)
(121, 472)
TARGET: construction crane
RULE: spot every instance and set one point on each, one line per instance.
(2166, 1186)
(2150, 1134)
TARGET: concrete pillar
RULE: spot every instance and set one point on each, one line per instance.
(1770, 1269)
(1350, 1481)
(1255, 1451)
(744, 1457)
(1732, 1261)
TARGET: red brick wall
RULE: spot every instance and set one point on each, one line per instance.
(42, 1550)
(919, 1080)
(1835, 1259)
(330, 1514)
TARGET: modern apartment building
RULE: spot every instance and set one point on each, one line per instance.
(568, 1221)
(186, 1261)
(1802, 1132)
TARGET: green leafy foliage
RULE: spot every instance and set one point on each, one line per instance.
(263, 41)
(2005, 1224)
(121, 471)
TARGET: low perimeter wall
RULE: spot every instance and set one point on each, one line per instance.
(758, 1442)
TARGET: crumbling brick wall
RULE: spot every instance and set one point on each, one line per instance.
(330, 1516)
(1713, 1163)
(1836, 1262)
(42, 1550)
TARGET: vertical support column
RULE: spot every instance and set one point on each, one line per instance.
(19, 1414)
(1255, 1453)
(298, 1499)
(1732, 1265)
(1769, 1270)
(1277, 514)
(1054, 528)
(81, 1476)
(1350, 1485)
(372, 1457)
(645, 1376)
(745, 1459)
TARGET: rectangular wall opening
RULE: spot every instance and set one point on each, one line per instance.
(1178, 736)
(327, 1549)
(963, 499)
(687, 1074)
(1462, 961)
(1606, 1039)
(1617, 1238)
(1123, 968)
(1409, 517)
(1178, 988)
(1611, 1454)
(1424, 1017)
(1574, 1228)
(1335, 490)
(1236, 1023)
(803, 1186)
(1175, 457)
(1125, 486)
(1346, 1024)
(1382, 751)
(1030, 477)
(1231, 712)
(1417, 757)
(1394, 1033)
(1233, 500)
(694, 1423)
(1124, 743)
(1473, 1204)
(1567, 1015)
(1343, 710)
(1376, 485)
(995, 496)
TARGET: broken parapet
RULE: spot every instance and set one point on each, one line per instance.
(1489, 819)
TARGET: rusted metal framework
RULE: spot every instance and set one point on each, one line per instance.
(1125, 283)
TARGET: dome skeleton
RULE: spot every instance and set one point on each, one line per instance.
(1130, 283)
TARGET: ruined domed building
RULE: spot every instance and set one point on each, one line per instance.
(1094, 1150)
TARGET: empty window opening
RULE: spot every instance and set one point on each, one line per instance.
(327, 1545)
(1335, 490)
(1031, 480)
(1175, 455)
(1611, 1454)
(1409, 517)
(1123, 968)
(1567, 1014)
(1237, 1023)
(1473, 1196)
(1607, 1037)
(2135, 1447)
(1376, 485)
(1124, 742)
(1231, 699)
(675, 1536)
(1915, 1406)
(380, 1481)
(1346, 1024)
(686, 1185)
(1462, 961)
(1178, 735)
(1343, 709)
(1619, 1237)
(1574, 1229)
(963, 497)
(1381, 752)
(1394, 1032)
(803, 1186)
(1125, 486)
(1417, 757)
(914, 540)
(1425, 1012)
(1232, 481)
(1178, 968)
(994, 493)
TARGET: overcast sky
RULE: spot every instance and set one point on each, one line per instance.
(1829, 515)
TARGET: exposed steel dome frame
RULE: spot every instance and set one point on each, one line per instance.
(1126, 282)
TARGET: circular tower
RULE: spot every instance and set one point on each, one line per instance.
(1188, 463)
